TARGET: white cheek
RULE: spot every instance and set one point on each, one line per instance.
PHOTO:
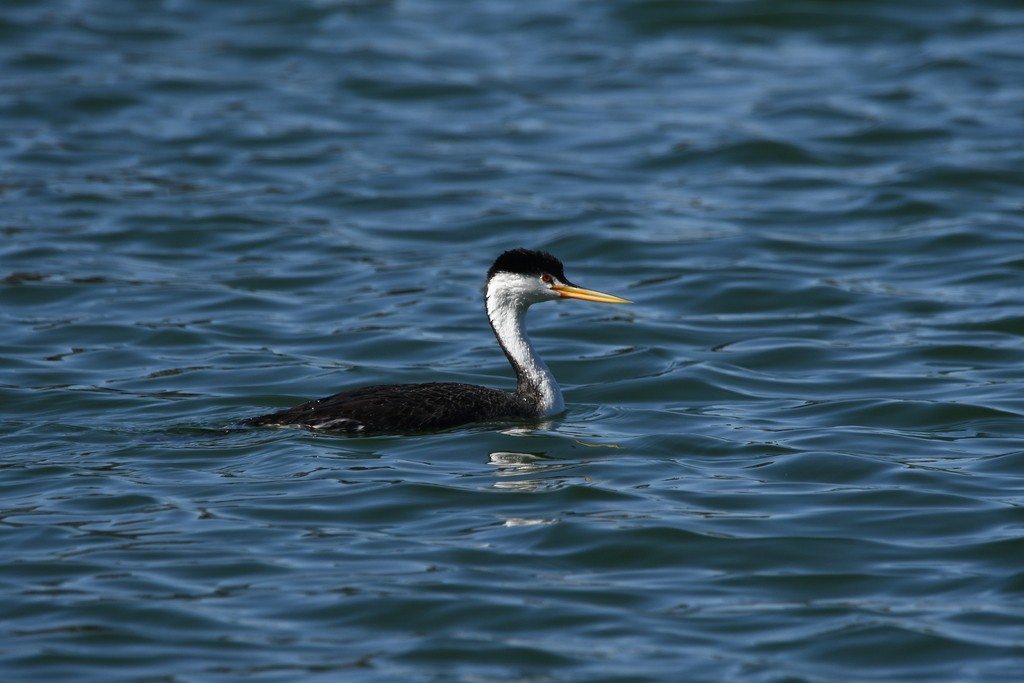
(522, 288)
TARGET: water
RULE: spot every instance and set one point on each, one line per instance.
(797, 456)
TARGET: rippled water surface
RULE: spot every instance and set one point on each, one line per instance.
(797, 457)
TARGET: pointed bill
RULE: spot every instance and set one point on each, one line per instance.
(573, 292)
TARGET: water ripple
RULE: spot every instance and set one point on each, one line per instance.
(797, 456)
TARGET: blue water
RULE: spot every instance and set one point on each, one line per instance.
(797, 457)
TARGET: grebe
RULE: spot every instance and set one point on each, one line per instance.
(518, 279)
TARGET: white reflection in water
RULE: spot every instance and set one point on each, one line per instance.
(529, 466)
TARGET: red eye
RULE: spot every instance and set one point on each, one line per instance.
(547, 278)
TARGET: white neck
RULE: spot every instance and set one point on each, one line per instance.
(506, 309)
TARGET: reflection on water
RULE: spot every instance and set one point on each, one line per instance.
(533, 467)
(523, 521)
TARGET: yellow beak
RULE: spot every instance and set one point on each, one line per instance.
(571, 292)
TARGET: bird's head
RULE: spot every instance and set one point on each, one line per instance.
(525, 277)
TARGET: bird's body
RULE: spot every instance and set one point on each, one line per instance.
(517, 279)
(402, 408)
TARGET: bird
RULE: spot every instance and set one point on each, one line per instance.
(518, 279)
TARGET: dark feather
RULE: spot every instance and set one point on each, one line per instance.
(401, 408)
(528, 262)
